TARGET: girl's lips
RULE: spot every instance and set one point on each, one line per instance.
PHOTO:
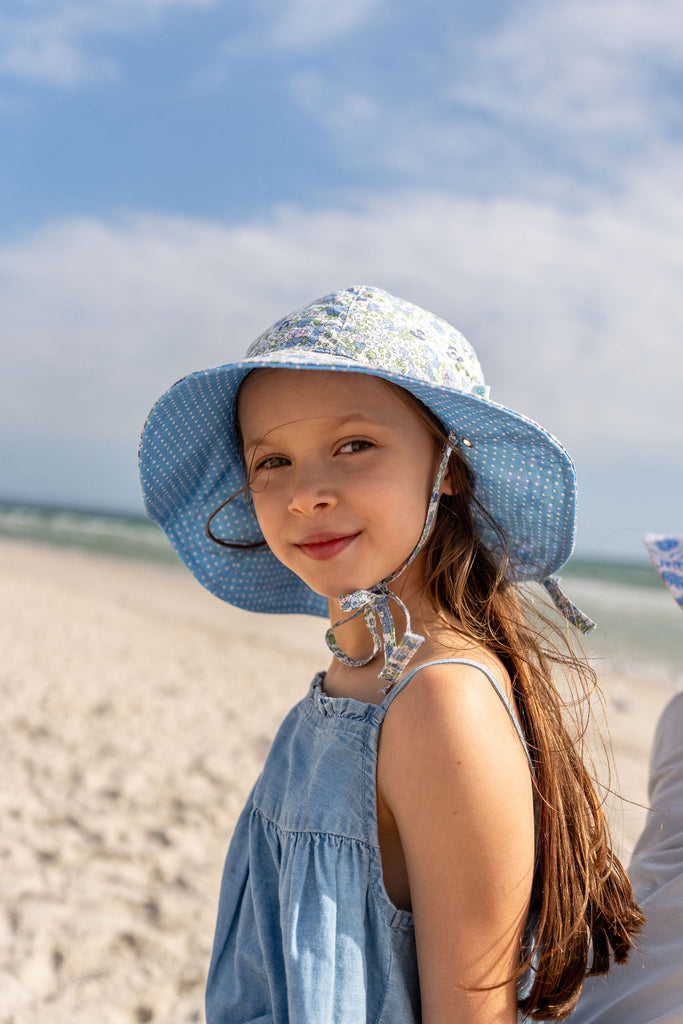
(321, 550)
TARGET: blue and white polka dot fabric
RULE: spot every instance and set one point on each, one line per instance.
(190, 460)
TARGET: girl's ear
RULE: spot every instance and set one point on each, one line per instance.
(447, 484)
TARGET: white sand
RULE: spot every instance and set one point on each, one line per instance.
(137, 711)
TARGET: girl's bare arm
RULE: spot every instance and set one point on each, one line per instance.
(453, 773)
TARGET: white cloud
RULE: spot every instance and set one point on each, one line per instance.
(349, 114)
(576, 315)
(576, 65)
(301, 24)
(52, 42)
(61, 42)
(544, 94)
(289, 28)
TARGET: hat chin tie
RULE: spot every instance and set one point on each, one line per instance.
(374, 603)
(567, 609)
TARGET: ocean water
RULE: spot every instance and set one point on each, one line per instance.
(639, 623)
(112, 534)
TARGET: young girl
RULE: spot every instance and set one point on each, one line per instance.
(424, 842)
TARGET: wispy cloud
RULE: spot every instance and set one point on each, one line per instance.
(537, 95)
(576, 315)
(302, 24)
(576, 67)
(287, 31)
(67, 43)
(55, 42)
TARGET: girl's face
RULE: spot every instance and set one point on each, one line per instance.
(341, 470)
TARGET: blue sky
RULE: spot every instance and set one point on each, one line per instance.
(177, 174)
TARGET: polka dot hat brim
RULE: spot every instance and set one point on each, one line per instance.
(190, 459)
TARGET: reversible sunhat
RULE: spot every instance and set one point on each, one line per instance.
(190, 458)
(666, 553)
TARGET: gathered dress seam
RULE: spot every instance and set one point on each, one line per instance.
(323, 833)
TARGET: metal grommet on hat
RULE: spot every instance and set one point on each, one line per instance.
(190, 458)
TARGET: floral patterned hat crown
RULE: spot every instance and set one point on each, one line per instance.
(191, 462)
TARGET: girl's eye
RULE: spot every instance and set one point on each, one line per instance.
(357, 445)
(271, 462)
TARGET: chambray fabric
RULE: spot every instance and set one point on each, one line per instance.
(190, 458)
(306, 933)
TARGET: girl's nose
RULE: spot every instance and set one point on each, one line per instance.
(311, 491)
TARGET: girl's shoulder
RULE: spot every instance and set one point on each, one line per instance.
(455, 671)
(460, 707)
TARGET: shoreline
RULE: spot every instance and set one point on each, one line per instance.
(138, 712)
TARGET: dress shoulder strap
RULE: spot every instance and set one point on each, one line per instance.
(402, 683)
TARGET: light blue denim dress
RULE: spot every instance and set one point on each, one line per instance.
(306, 933)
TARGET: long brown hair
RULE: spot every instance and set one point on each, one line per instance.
(582, 901)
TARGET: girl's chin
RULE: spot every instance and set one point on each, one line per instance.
(331, 584)
(343, 586)
(332, 593)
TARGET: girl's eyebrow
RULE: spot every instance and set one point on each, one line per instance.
(355, 417)
(337, 423)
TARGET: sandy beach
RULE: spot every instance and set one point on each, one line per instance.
(137, 711)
